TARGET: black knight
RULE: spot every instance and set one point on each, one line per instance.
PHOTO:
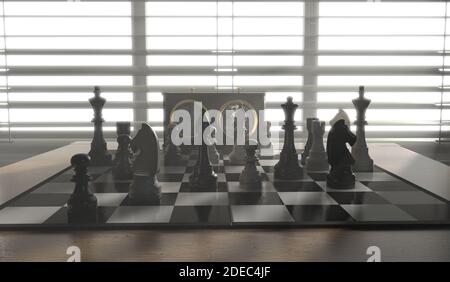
(340, 159)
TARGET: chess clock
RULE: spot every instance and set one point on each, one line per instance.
(236, 105)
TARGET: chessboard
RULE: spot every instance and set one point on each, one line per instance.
(378, 198)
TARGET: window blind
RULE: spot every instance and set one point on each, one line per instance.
(319, 52)
(395, 50)
(226, 46)
(54, 53)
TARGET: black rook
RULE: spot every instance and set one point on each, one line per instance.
(82, 205)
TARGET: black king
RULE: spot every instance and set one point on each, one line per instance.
(288, 167)
(99, 153)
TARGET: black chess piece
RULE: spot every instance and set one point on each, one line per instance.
(203, 175)
(308, 144)
(82, 205)
(123, 166)
(99, 153)
(250, 177)
(172, 153)
(288, 167)
(341, 175)
(363, 162)
(145, 188)
(317, 159)
(123, 127)
(237, 155)
(214, 155)
(269, 145)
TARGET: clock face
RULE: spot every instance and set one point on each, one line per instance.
(237, 105)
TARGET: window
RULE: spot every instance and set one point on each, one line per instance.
(239, 46)
(55, 53)
(395, 50)
(52, 53)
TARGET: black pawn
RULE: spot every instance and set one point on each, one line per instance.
(288, 167)
(203, 176)
(123, 168)
(250, 177)
(82, 205)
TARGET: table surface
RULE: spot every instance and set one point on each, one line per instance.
(322, 244)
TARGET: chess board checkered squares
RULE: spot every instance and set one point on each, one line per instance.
(94, 172)
(297, 186)
(436, 213)
(319, 214)
(260, 214)
(40, 200)
(202, 199)
(257, 207)
(26, 215)
(236, 187)
(374, 176)
(108, 177)
(388, 186)
(358, 198)
(383, 212)
(110, 199)
(110, 187)
(220, 177)
(234, 169)
(359, 187)
(141, 214)
(269, 175)
(187, 188)
(117, 208)
(306, 198)
(170, 187)
(410, 198)
(314, 207)
(55, 188)
(60, 216)
(203, 215)
(255, 198)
